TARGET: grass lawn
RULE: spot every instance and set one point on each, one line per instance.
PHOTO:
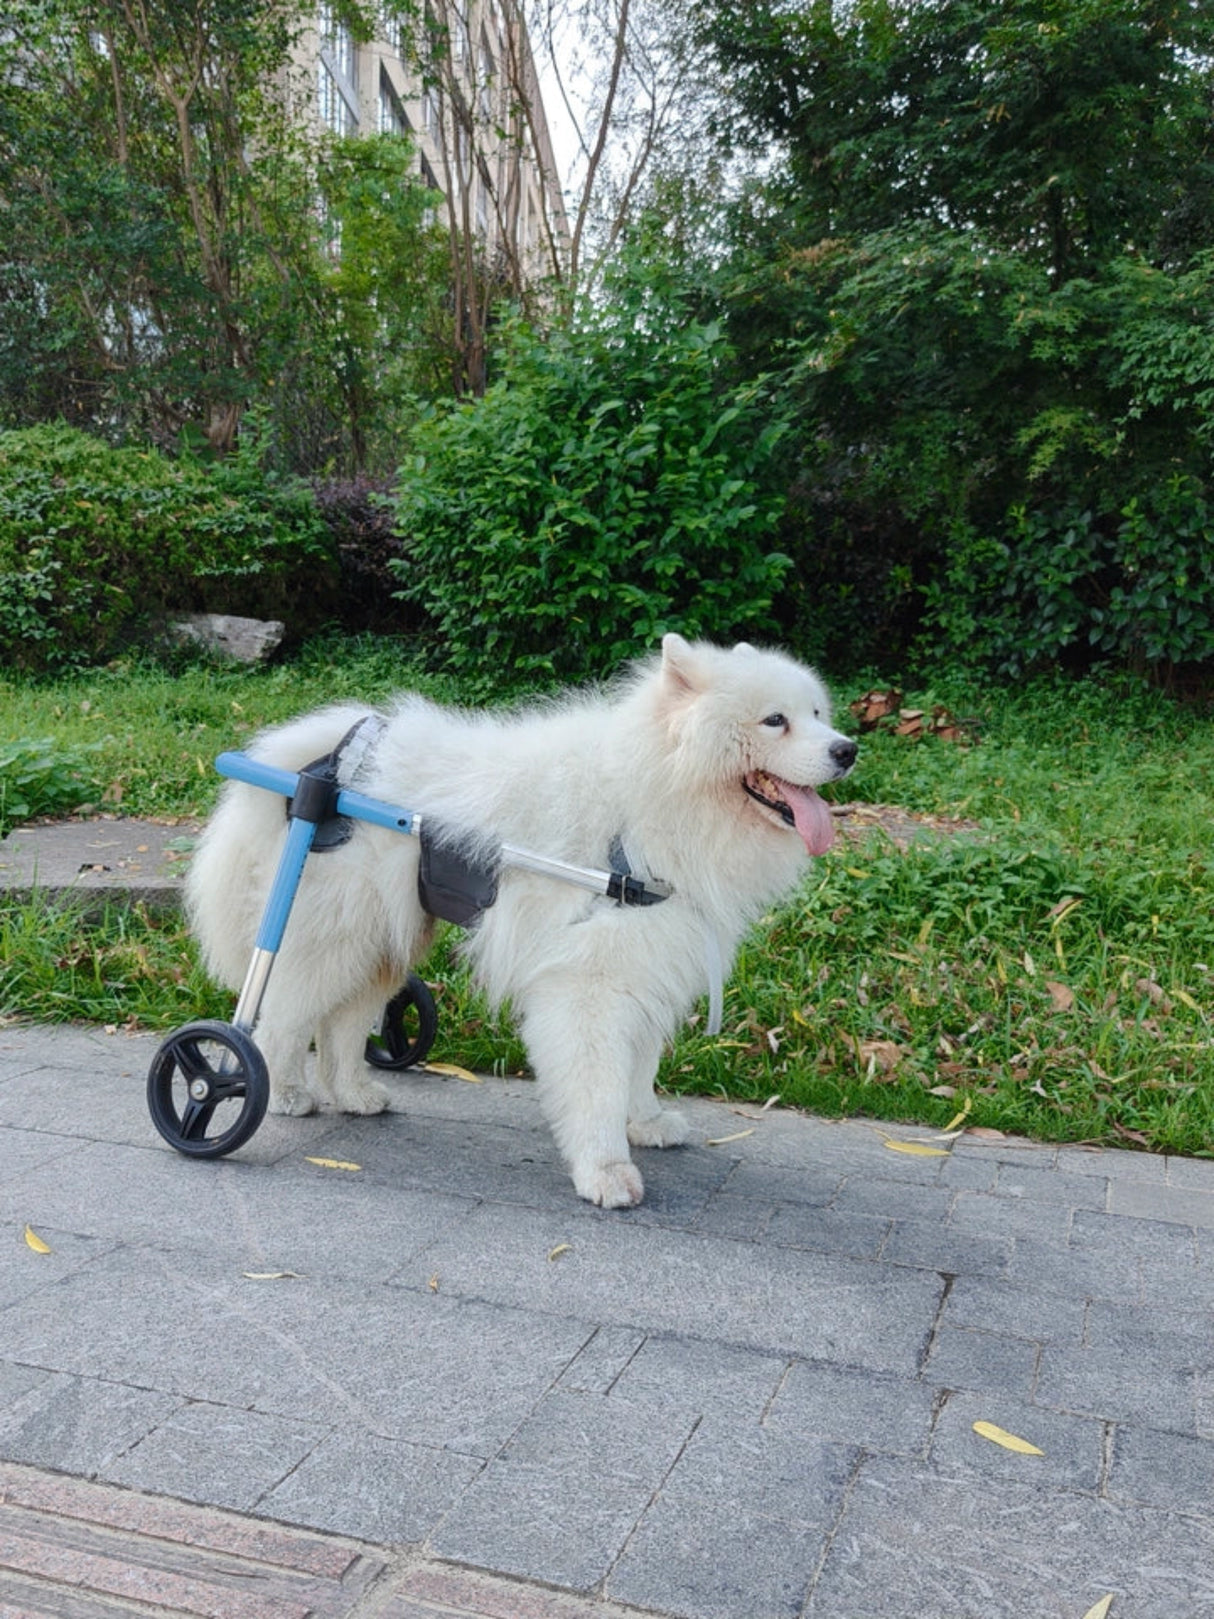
(1049, 972)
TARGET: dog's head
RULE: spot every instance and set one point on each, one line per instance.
(757, 723)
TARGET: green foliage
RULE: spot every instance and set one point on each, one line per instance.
(388, 277)
(607, 488)
(160, 244)
(60, 963)
(982, 268)
(1136, 588)
(95, 543)
(1029, 465)
(166, 268)
(42, 777)
(1065, 130)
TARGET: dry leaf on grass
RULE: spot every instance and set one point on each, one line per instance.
(879, 1058)
(875, 706)
(1154, 993)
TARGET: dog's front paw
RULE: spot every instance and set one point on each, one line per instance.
(293, 1100)
(615, 1185)
(666, 1128)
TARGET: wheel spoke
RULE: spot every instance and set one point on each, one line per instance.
(229, 1087)
(195, 1117)
(189, 1057)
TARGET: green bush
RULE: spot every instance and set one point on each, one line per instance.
(1068, 584)
(1028, 462)
(41, 777)
(606, 489)
(98, 543)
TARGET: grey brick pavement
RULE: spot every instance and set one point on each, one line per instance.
(752, 1398)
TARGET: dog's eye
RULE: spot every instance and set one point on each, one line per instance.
(777, 722)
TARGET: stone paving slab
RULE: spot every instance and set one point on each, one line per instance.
(70, 1549)
(93, 860)
(461, 1391)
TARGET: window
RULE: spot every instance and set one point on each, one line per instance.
(336, 74)
(393, 119)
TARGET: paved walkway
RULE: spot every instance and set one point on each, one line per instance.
(436, 1384)
(754, 1396)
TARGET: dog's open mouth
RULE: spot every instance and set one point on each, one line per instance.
(798, 807)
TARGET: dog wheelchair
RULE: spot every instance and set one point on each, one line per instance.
(208, 1087)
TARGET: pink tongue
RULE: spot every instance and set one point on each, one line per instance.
(813, 819)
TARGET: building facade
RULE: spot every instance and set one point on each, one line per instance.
(460, 82)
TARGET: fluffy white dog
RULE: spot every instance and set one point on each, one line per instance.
(700, 767)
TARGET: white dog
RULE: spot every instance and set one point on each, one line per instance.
(701, 767)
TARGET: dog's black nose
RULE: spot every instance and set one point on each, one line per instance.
(844, 754)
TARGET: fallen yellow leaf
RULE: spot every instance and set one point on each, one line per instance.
(1009, 1441)
(719, 1141)
(959, 1119)
(917, 1149)
(432, 1284)
(1100, 1609)
(34, 1241)
(453, 1069)
(561, 1248)
(271, 1275)
(333, 1163)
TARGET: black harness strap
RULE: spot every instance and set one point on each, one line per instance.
(316, 797)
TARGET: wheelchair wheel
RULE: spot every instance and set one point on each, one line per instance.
(407, 1029)
(208, 1089)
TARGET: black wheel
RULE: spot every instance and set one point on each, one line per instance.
(208, 1089)
(407, 1029)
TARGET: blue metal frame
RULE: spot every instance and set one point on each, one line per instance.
(301, 833)
(241, 768)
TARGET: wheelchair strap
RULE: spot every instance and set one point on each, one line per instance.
(338, 768)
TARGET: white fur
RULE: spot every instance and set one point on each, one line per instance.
(597, 989)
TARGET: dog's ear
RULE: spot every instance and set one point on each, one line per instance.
(680, 665)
